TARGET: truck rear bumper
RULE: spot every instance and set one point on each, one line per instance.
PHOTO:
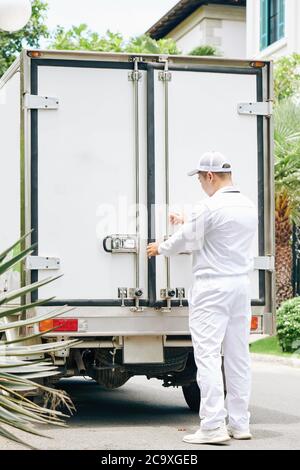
(93, 321)
(108, 322)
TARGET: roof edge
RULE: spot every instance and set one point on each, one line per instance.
(182, 10)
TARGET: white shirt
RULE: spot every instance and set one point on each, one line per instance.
(220, 236)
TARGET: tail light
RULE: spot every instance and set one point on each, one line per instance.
(254, 323)
(34, 54)
(60, 324)
(257, 64)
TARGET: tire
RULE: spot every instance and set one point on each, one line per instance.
(192, 396)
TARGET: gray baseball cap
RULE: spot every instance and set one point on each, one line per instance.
(215, 162)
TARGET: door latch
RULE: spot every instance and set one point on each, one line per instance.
(120, 244)
(136, 293)
(168, 293)
(180, 294)
(122, 294)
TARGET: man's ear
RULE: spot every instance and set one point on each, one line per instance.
(210, 176)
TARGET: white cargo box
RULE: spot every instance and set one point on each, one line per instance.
(86, 137)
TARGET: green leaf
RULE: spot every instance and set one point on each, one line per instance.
(27, 368)
(205, 50)
(28, 429)
(22, 308)
(7, 297)
(12, 437)
(16, 259)
(11, 248)
(23, 339)
(15, 363)
(35, 349)
(11, 44)
(287, 154)
(34, 320)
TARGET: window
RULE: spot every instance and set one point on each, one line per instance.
(272, 21)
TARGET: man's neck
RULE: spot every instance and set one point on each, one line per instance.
(223, 184)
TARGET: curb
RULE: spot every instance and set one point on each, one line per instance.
(286, 361)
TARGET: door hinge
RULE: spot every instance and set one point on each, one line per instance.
(265, 263)
(263, 108)
(134, 76)
(40, 102)
(165, 75)
(40, 262)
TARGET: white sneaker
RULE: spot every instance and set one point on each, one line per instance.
(240, 435)
(214, 436)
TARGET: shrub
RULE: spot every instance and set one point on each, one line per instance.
(205, 50)
(288, 325)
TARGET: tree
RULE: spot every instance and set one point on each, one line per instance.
(287, 189)
(204, 50)
(82, 38)
(287, 77)
(148, 45)
(287, 168)
(12, 43)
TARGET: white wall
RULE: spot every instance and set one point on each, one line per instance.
(287, 45)
(216, 25)
(234, 38)
(10, 172)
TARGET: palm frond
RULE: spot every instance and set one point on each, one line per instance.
(9, 296)
(19, 375)
(22, 308)
(34, 349)
(24, 339)
(16, 259)
(11, 248)
(287, 154)
(35, 320)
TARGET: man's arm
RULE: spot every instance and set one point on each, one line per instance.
(177, 219)
(188, 238)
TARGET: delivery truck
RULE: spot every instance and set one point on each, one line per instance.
(95, 150)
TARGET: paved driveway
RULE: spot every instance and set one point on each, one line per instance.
(144, 415)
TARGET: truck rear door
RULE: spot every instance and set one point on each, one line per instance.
(88, 173)
(196, 109)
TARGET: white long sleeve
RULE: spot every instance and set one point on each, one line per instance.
(221, 235)
(189, 237)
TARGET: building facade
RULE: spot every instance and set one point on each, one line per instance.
(273, 28)
(195, 23)
(237, 28)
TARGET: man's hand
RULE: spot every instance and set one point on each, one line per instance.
(176, 219)
(152, 249)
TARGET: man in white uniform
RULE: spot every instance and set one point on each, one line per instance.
(220, 236)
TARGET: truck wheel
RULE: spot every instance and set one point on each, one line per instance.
(192, 396)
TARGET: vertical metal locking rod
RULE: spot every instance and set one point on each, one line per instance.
(167, 195)
(136, 77)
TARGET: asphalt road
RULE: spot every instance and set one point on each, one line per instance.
(144, 415)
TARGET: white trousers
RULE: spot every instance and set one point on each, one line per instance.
(220, 314)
